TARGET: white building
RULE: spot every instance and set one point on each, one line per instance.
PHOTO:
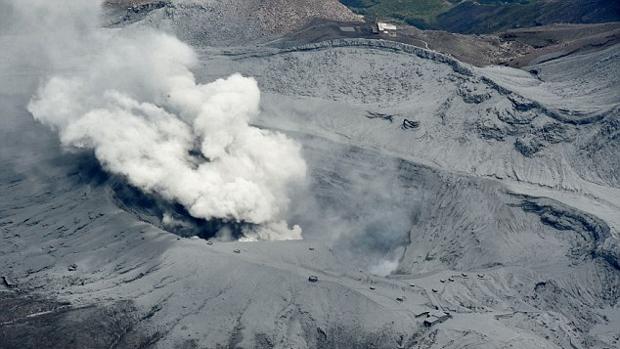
(385, 27)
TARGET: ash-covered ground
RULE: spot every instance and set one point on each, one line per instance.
(445, 206)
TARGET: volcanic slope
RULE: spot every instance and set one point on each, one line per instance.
(467, 186)
(230, 22)
(524, 159)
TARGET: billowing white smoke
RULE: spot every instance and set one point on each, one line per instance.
(131, 97)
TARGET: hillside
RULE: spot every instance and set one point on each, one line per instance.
(230, 21)
(488, 15)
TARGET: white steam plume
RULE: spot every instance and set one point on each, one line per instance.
(130, 96)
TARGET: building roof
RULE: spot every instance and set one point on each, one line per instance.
(385, 26)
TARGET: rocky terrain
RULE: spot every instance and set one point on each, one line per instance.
(219, 23)
(449, 206)
(230, 22)
(516, 48)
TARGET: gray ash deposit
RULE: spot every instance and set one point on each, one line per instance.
(397, 197)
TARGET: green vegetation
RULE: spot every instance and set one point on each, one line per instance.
(405, 10)
(422, 13)
(486, 16)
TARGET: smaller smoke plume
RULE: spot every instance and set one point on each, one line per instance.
(130, 97)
